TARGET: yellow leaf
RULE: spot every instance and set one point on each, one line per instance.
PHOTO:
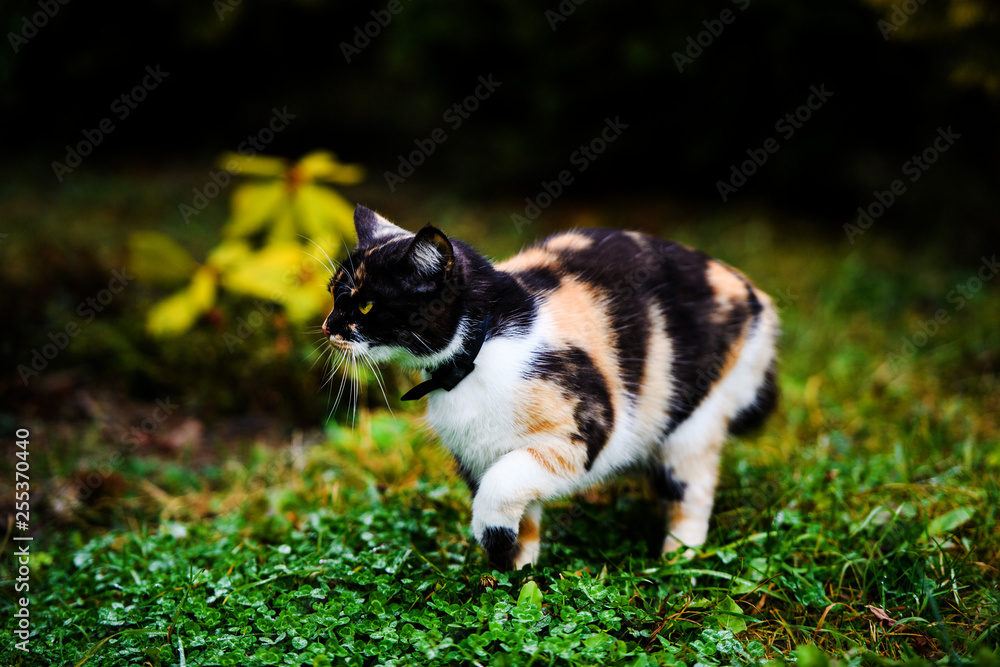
(157, 259)
(267, 274)
(253, 165)
(320, 211)
(306, 303)
(323, 165)
(177, 313)
(254, 204)
(283, 225)
(228, 253)
(202, 288)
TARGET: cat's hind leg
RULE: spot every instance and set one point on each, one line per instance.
(690, 454)
(686, 481)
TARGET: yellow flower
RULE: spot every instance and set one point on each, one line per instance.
(285, 207)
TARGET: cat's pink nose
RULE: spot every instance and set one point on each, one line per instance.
(326, 332)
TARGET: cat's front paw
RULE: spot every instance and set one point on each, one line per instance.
(500, 543)
(671, 550)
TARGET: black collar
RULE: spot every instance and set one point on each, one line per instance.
(448, 375)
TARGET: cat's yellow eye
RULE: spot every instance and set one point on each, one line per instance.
(365, 308)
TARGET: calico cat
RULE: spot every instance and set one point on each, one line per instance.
(589, 353)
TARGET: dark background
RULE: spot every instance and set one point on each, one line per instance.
(685, 129)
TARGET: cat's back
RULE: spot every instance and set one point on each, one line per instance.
(640, 326)
(624, 272)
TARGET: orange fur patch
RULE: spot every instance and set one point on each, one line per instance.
(547, 413)
(580, 319)
(527, 530)
(549, 424)
(733, 353)
(729, 287)
(569, 241)
(532, 258)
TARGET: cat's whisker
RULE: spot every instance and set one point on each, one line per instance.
(348, 283)
(320, 357)
(332, 264)
(349, 259)
(357, 388)
(378, 379)
(318, 344)
(334, 367)
(423, 342)
(321, 262)
(341, 362)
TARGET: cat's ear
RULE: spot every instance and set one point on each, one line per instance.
(432, 252)
(369, 226)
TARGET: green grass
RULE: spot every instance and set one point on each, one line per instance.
(862, 523)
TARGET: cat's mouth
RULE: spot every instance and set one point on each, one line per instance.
(356, 348)
(342, 343)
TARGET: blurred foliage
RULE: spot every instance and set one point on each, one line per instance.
(977, 66)
(279, 220)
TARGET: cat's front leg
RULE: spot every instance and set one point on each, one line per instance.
(506, 512)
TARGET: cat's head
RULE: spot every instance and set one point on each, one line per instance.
(398, 296)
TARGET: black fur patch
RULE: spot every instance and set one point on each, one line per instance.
(537, 280)
(466, 475)
(512, 307)
(632, 328)
(754, 415)
(501, 545)
(620, 269)
(754, 303)
(667, 486)
(572, 369)
(699, 345)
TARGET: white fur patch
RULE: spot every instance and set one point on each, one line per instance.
(427, 259)
(477, 420)
(407, 359)
(386, 229)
